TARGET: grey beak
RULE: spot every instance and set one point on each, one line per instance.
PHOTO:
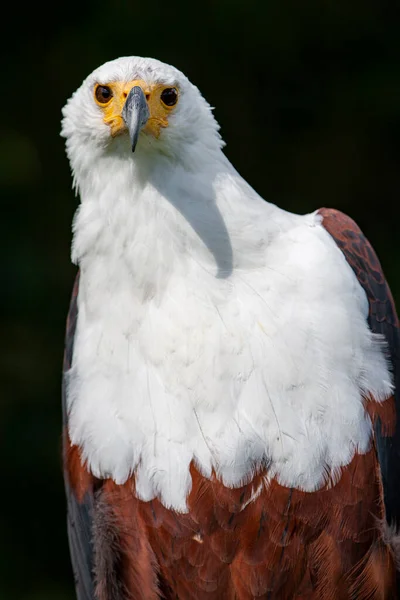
(135, 113)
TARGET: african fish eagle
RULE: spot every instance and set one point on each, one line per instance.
(230, 372)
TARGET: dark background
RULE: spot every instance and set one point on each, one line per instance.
(308, 96)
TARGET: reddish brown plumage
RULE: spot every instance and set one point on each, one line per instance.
(385, 412)
(80, 480)
(134, 565)
(284, 544)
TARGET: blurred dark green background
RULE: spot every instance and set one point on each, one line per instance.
(308, 97)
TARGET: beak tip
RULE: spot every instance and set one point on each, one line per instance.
(134, 142)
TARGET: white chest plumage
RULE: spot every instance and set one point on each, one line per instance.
(233, 350)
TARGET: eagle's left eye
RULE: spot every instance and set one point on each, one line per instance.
(169, 96)
(103, 94)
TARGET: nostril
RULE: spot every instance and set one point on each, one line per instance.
(125, 94)
(147, 96)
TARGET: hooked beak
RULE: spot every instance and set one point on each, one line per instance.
(135, 113)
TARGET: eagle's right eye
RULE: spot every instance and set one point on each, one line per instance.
(103, 94)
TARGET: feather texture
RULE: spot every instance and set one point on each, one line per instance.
(284, 544)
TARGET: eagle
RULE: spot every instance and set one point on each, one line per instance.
(231, 370)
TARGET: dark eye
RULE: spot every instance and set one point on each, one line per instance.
(169, 96)
(103, 94)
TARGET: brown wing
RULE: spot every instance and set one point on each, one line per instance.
(382, 319)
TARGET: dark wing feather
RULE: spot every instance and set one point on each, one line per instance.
(79, 511)
(382, 319)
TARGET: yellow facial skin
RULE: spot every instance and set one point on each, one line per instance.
(159, 112)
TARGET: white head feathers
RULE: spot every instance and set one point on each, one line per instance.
(191, 124)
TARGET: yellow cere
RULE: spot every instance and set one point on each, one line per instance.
(113, 103)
